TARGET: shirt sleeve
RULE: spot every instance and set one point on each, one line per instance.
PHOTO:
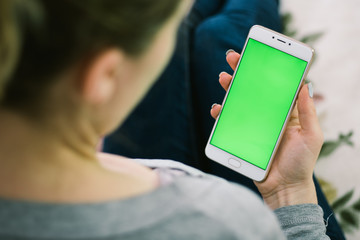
(303, 221)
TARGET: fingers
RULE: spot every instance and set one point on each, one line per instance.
(232, 58)
(294, 118)
(307, 113)
(215, 110)
(225, 80)
(295, 112)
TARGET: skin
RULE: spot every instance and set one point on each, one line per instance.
(290, 179)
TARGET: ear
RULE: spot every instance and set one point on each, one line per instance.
(101, 76)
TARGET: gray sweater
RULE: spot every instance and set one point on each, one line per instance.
(188, 205)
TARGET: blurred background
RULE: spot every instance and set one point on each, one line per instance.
(332, 28)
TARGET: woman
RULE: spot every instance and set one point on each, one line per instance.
(81, 69)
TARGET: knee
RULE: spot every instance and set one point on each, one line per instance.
(219, 32)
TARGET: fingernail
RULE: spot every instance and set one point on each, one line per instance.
(221, 74)
(311, 90)
(229, 51)
(212, 106)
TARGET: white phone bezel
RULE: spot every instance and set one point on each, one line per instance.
(284, 44)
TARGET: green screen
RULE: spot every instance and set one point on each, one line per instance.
(258, 103)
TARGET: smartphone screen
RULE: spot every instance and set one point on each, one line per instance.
(258, 102)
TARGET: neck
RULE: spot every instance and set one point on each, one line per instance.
(47, 163)
(28, 141)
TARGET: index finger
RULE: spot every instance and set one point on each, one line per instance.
(233, 58)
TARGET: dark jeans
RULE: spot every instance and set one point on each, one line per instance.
(173, 121)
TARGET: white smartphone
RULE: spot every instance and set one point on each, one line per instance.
(259, 102)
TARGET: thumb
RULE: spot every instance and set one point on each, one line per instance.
(306, 108)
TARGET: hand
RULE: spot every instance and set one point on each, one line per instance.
(290, 179)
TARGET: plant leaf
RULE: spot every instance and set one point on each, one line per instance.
(286, 19)
(356, 205)
(328, 189)
(346, 138)
(349, 217)
(346, 228)
(342, 201)
(290, 33)
(311, 38)
(328, 148)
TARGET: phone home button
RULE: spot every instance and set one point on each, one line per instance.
(235, 163)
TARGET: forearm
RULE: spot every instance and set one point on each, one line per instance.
(303, 193)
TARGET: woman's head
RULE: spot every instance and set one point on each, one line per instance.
(97, 54)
